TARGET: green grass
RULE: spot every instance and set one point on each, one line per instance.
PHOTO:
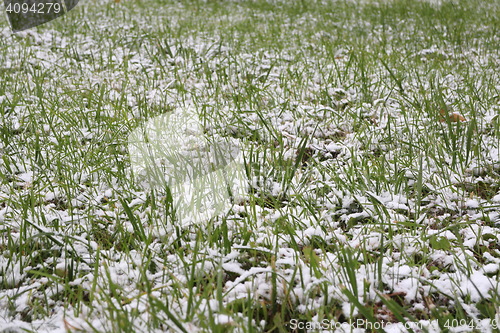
(376, 228)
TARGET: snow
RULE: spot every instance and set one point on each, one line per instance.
(374, 219)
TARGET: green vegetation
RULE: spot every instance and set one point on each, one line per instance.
(369, 200)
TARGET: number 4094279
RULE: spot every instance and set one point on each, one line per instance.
(469, 323)
(36, 8)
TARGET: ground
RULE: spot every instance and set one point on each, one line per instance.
(371, 135)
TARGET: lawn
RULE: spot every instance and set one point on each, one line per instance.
(370, 132)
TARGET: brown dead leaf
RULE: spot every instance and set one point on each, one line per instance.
(68, 326)
(429, 302)
(453, 117)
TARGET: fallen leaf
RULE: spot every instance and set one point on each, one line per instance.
(454, 117)
(68, 326)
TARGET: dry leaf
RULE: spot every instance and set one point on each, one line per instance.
(454, 117)
(68, 326)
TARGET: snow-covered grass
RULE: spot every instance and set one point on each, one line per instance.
(372, 135)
